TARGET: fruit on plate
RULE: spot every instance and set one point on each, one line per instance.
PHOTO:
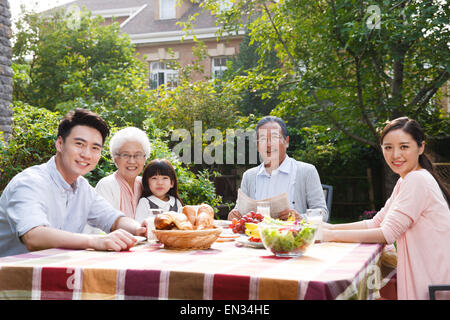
(251, 229)
(238, 225)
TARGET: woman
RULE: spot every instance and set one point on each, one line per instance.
(416, 216)
(129, 148)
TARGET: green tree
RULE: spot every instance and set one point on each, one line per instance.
(247, 60)
(341, 70)
(60, 65)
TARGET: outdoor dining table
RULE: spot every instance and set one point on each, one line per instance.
(225, 271)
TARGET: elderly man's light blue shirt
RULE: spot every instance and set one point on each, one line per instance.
(300, 180)
(280, 180)
(39, 196)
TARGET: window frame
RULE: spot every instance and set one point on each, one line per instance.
(220, 68)
(172, 14)
(158, 70)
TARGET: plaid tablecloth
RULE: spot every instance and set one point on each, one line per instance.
(225, 271)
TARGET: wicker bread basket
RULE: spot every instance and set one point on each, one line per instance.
(188, 239)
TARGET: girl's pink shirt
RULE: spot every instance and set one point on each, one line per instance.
(418, 217)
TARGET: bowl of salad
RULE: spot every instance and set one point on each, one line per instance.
(287, 238)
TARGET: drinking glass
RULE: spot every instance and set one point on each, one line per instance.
(151, 224)
(315, 217)
(263, 207)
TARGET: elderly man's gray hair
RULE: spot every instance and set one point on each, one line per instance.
(268, 119)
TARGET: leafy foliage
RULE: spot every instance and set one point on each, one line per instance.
(32, 142)
(90, 66)
(203, 101)
(256, 99)
(340, 72)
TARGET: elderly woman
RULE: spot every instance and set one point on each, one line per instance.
(129, 148)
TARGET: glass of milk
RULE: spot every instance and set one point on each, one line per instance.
(151, 224)
(315, 217)
(263, 207)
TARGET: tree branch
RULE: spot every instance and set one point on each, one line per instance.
(423, 95)
(323, 105)
(291, 57)
(362, 107)
(380, 70)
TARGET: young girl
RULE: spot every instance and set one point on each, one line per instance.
(160, 189)
(416, 216)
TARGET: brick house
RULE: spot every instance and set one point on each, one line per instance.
(151, 25)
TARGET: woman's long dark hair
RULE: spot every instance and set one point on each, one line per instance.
(413, 128)
(161, 167)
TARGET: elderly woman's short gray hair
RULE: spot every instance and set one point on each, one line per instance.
(129, 134)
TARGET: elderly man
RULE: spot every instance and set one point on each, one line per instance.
(48, 205)
(279, 173)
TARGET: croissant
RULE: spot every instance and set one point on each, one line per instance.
(191, 213)
(172, 220)
(201, 217)
(205, 217)
(181, 221)
(192, 218)
(163, 221)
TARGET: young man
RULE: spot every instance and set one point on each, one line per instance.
(48, 205)
(279, 173)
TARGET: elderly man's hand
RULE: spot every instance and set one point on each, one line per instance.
(234, 214)
(284, 215)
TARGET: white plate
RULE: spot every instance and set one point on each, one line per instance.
(222, 223)
(227, 232)
(227, 235)
(244, 241)
(139, 239)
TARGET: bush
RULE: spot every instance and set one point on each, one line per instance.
(33, 142)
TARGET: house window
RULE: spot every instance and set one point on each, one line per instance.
(219, 65)
(167, 9)
(160, 73)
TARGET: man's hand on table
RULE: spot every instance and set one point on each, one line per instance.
(121, 238)
(117, 240)
(130, 225)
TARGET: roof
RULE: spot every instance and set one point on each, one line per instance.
(141, 25)
(98, 5)
(144, 22)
